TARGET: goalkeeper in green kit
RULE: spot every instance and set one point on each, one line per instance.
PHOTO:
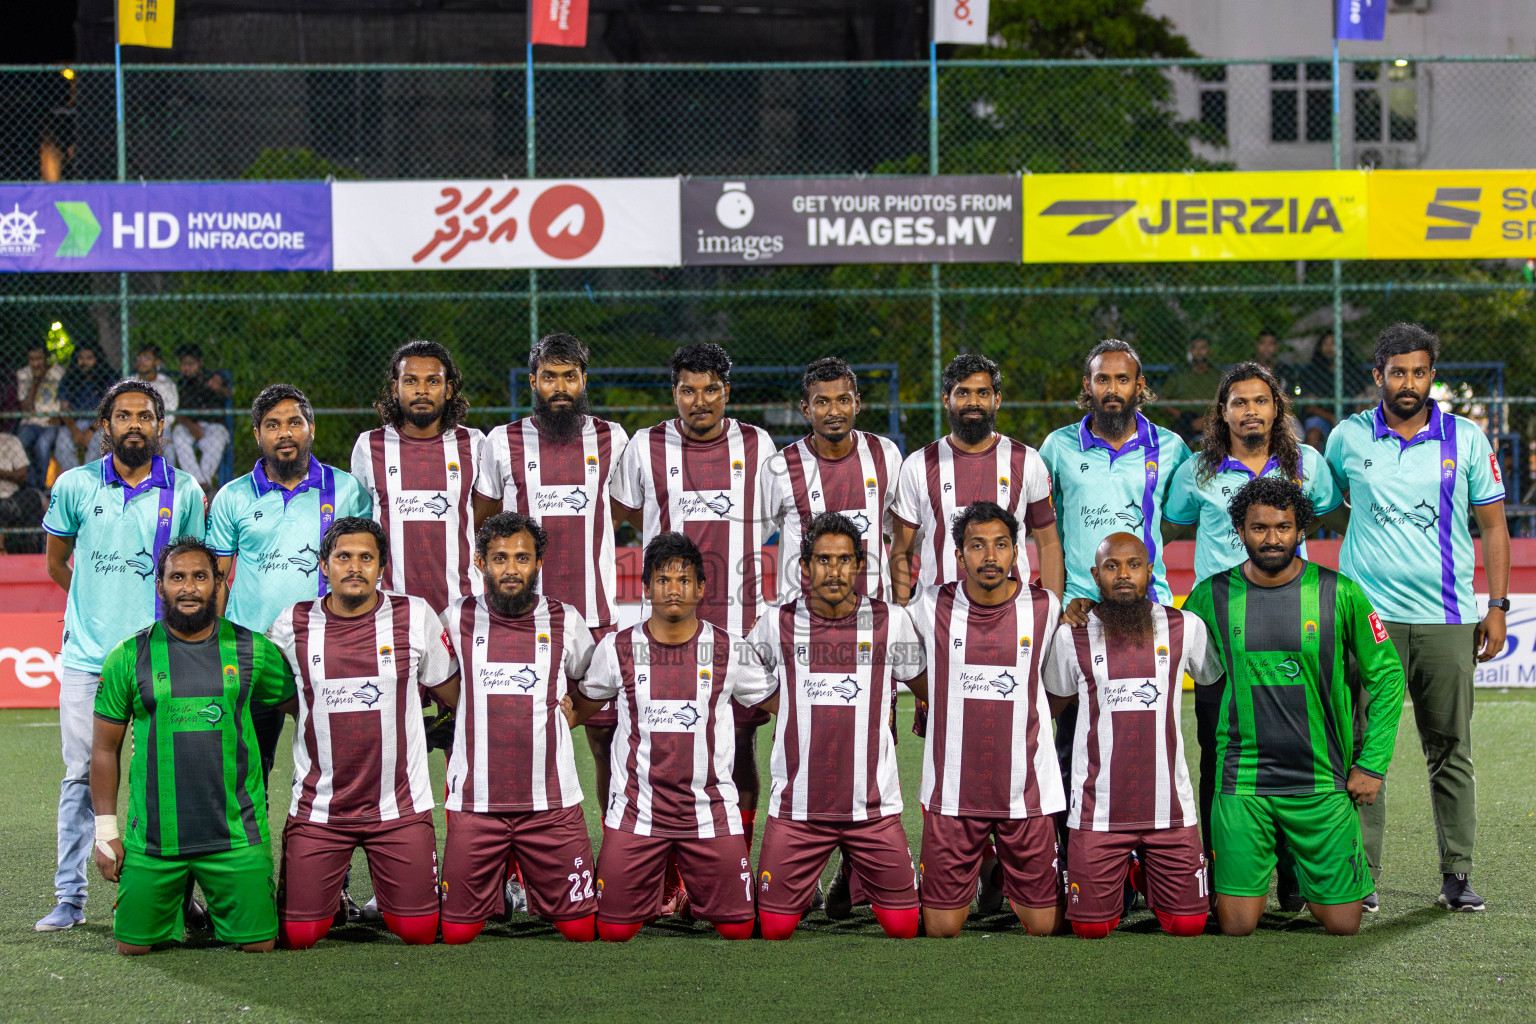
(1285, 747)
(197, 807)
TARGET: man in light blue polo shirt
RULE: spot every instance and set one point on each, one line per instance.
(1414, 476)
(1249, 436)
(1110, 471)
(113, 516)
(269, 522)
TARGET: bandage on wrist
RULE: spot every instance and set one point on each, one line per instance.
(106, 831)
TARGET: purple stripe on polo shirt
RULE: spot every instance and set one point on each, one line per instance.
(1447, 517)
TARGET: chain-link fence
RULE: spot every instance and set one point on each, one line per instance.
(330, 333)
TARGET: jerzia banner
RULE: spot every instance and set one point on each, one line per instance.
(952, 219)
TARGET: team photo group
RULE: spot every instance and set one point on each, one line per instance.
(459, 590)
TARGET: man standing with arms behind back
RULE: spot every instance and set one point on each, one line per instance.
(973, 462)
(114, 516)
(1414, 476)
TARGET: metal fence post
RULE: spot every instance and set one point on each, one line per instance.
(936, 344)
(122, 175)
(1338, 266)
(533, 274)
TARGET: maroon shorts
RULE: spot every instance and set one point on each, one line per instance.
(1171, 860)
(630, 870)
(608, 716)
(553, 854)
(402, 860)
(953, 848)
(795, 852)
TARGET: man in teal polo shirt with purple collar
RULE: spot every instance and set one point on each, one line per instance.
(1415, 476)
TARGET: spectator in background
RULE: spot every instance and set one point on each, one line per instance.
(1266, 352)
(1198, 382)
(199, 441)
(146, 365)
(37, 388)
(20, 505)
(1315, 385)
(80, 391)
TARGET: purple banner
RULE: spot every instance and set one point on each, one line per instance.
(161, 227)
(1360, 19)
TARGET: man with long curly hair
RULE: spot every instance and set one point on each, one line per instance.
(420, 468)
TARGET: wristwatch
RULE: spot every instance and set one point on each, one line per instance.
(1501, 603)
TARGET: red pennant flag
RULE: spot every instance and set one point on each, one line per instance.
(560, 22)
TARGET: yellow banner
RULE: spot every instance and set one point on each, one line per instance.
(146, 22)
(1421, 215)
(1125, 218)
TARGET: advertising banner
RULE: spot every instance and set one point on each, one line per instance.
(500, 224)
(1458, 215)
(29, 659)
(949, 219)
(218, 226)
(1136, 218)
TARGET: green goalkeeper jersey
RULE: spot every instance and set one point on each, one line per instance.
(194, 784)
(1286, 713)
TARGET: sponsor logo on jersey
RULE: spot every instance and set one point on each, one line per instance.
(1289, 668)
(1147, 692)
(858, 519)
(864, 652)
(543, 642)
(327, 510)
(989, 685)
(670, 715)
(229, 670)
(419, 504)
(501, 676)
(213, 714)
(165, 513)
(591, 463)
(368, 693)
(453, 469)
(1162, 653)
(736, 467)
(559, 501)
(1493, 464)
(830, 688)
(1309, 630)
(1024, 646)
(703, 505)
(1377, 629)
(1447, 468)
(142, 563)
(386, 653)
(871, 484)
(1002, 483)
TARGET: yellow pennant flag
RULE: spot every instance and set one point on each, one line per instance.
(145, 22)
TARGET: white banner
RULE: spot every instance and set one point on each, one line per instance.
(960, 21)
(1516, 664)
(497, 224)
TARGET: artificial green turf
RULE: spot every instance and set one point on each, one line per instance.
(1412, 962)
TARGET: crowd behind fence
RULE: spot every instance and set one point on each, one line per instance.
(330, 332)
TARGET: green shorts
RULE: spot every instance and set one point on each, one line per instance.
(1322, 831)
(238, 885)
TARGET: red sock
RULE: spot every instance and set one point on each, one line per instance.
(749, 826)
(1182, 925)
(777, 927)
(617, 932)
(734, 930)
(512, 868)
(1138, 878)
(898, 924)
(415, 931)
(673, 879)
(455, 934)
(1094, 929)
(303, 934)
(580, 930)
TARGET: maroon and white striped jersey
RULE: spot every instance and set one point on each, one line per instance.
(939, 480)
(800, 485)
(834, 758)
(675, 742)
(990, 751)
(565, 486)
(359, 748)
(711, 491)
(511, 743)
(1128, 770)
(421, 496)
